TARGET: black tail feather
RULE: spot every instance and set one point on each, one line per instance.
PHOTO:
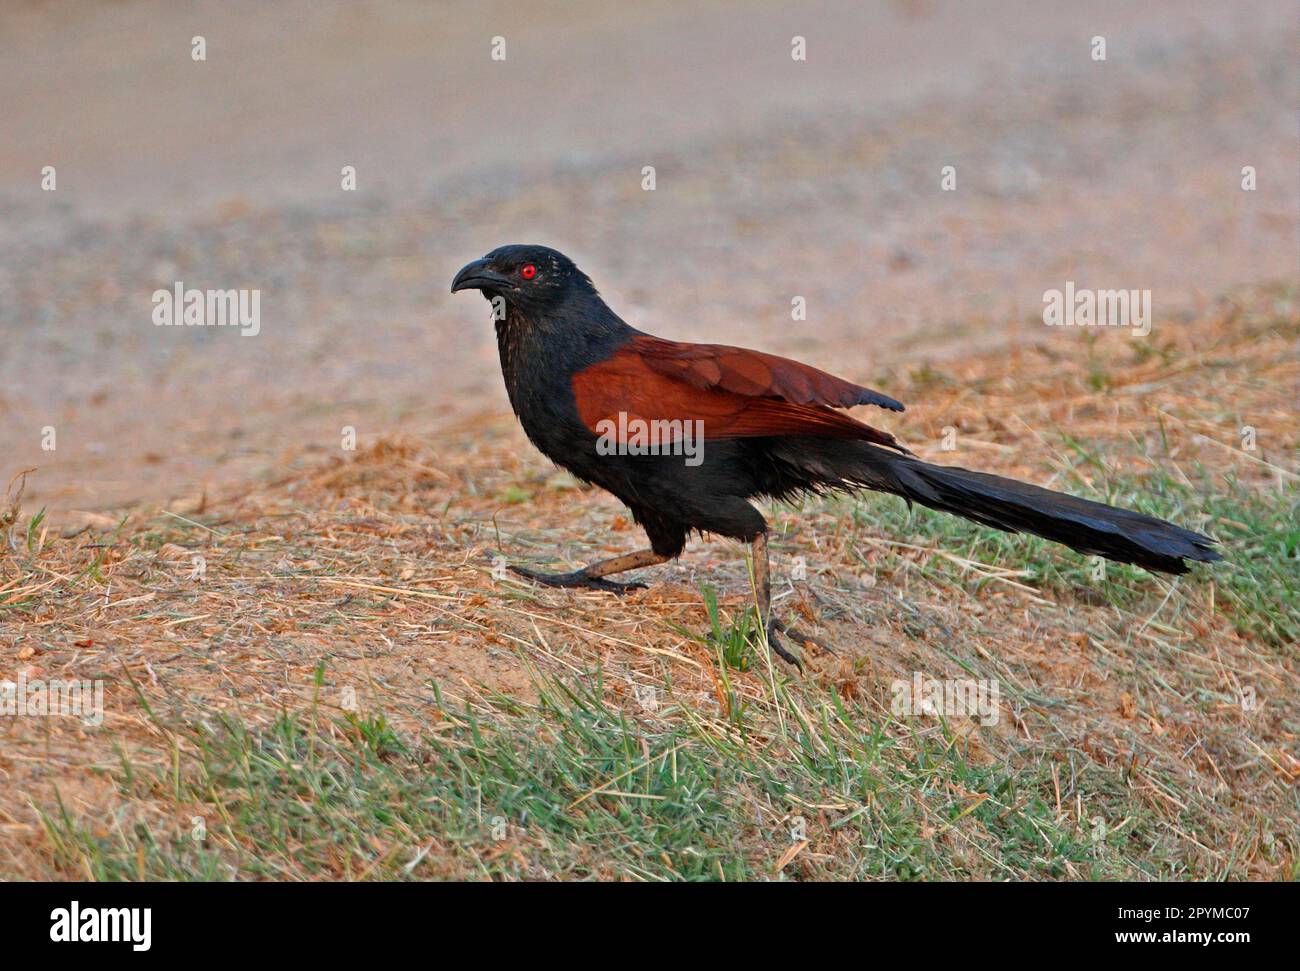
(1093, 528)
(1018, 507)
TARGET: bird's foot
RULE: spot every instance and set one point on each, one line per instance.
(578, 578)
(802, 638)
(775, 643)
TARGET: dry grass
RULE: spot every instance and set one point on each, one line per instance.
(365, 585)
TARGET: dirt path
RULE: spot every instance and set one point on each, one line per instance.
(775, 178)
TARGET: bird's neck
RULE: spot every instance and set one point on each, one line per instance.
(511, 330)
(542, 350)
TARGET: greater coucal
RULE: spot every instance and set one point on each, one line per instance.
(581, 380)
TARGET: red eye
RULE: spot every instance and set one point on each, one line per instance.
(528, 271)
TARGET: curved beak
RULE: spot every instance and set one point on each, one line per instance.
(478, 275)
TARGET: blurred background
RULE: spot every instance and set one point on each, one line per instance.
(774, 178)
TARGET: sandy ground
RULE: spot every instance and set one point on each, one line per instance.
(775, 178)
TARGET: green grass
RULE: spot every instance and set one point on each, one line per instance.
(570, 787)
(732, 642)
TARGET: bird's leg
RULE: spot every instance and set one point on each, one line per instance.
(763, 588)
(593, 575)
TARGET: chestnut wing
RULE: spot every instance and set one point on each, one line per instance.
(753, 374)
(642, 387)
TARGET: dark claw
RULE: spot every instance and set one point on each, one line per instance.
(774, 642)
(578, 578)
(801, 637)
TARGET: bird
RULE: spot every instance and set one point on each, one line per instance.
(736, 425)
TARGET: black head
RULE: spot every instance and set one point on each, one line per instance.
(531, 278)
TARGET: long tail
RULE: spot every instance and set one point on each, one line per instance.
(1017, 507)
